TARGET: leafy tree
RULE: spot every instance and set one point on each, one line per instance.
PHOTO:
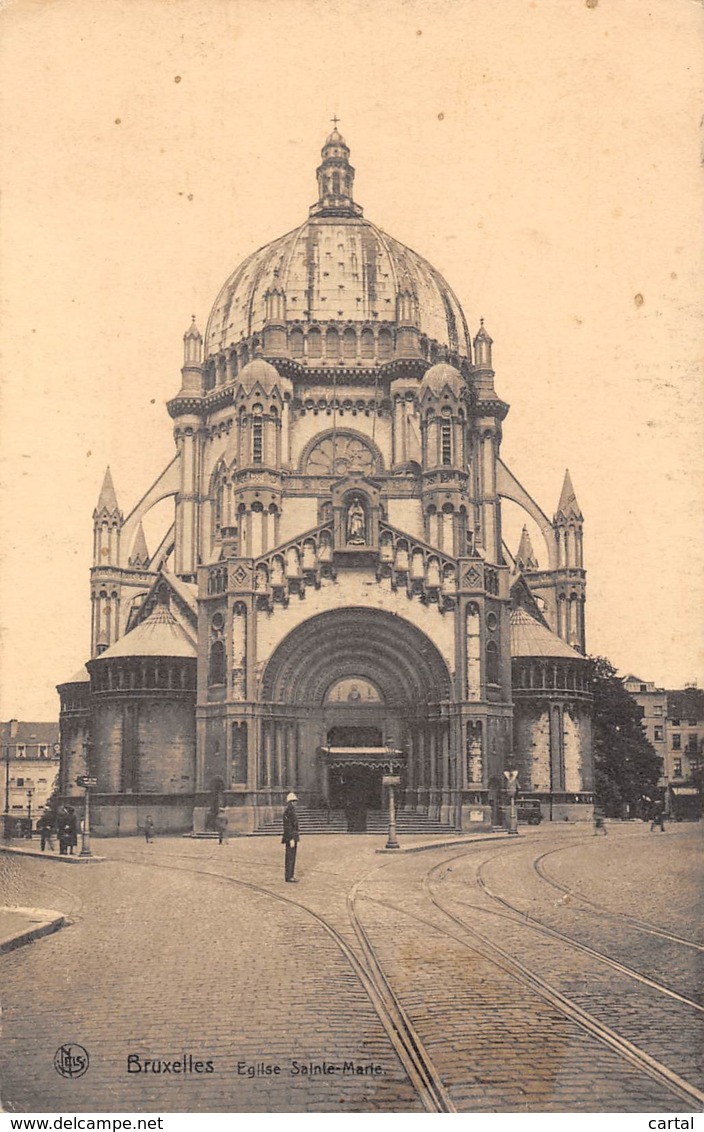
(626, 767)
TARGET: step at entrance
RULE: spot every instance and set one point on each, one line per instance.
(377, 822)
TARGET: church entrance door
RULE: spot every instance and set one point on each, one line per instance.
(356, 790)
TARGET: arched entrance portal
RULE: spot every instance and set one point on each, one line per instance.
(367, 693)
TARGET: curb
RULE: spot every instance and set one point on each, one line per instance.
(445, 844)
(65, 859)
(48, 927)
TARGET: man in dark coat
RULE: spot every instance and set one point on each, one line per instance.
(290, 838)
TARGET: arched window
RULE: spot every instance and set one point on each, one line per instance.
(367, 350)
(296, 342)
(315, 343)
(216, 667)
(492, 663)
(332, 343)
(336, 184)
(385, 344)
(349, 343)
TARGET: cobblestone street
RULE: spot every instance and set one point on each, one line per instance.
(552, 972)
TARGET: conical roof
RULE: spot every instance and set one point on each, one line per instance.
(160, 635)
(568, 505)
(107, 500)
(525, 555)
(528, 638)
(140, 553)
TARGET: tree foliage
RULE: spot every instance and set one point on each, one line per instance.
(626, 766)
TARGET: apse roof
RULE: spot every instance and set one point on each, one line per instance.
(528, 638)
(159, 635)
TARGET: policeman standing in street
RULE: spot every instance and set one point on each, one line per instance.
(290, 838)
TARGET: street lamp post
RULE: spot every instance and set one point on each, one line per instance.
(392, 781)
(30, 794)
(8, 825)
(86, 783)
(511, 788)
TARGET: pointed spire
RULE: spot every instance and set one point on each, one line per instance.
(568, 507)
(525, 555)
(335, 179)
(482, 347)
(107, 500)
(192, 345)
(139, 558)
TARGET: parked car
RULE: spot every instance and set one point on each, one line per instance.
(528, 811)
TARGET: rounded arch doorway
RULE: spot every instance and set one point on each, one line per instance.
(363, 689)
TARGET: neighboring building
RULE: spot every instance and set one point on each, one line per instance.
(685, 745)
(653, 702)
(333, 600)
(673, 722)
(30, 758)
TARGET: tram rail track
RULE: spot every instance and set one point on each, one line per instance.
(607, 913)
(538, 925)
(407, 1043)
(402, 1034)
(655, 1069)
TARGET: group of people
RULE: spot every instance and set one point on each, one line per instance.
(64, 824)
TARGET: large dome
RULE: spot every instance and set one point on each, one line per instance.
(337, 267)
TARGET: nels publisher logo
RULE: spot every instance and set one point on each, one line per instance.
(71, 1060)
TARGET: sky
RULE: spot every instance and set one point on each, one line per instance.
(544, 155)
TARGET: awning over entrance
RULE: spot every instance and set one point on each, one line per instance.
(384, 759)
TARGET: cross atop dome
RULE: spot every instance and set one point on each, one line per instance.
(335, 178)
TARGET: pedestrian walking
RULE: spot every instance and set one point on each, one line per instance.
(221, 824)
(149, 829)
(599, 824)
(64, 832)
(46, 831)
(290, 838)
(658, 818)
(72, 829)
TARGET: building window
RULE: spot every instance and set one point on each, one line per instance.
(216, 668)
(446, 443)
(21, 751)
(257, 442)
(675, 722)
(644, 687)
(657, 710)
(20, 782)
(43, 751)
(692, 723)
(677, 768)
(676, 742)
(296, 342)
(657, 734)
(492, 663)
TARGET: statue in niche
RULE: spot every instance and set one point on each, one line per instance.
(354, 695)
(356, 535)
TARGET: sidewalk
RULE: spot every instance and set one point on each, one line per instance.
(23, 925)
(47, 855)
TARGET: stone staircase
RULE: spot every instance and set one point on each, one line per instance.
(310, 821)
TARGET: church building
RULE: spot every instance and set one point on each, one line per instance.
(333, 601)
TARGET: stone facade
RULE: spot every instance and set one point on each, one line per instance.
(337, 493)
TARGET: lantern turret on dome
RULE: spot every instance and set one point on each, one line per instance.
(335, 179)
